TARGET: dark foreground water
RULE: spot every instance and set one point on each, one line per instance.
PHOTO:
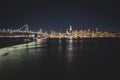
(63, 59)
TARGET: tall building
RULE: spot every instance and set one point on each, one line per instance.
(96, 29)
(70, 28)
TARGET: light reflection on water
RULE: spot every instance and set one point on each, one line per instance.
(59, 50)
(69, 51)
(58, 56)
(16, 54)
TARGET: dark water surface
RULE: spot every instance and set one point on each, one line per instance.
(62, 59)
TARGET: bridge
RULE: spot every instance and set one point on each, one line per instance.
(22, 32)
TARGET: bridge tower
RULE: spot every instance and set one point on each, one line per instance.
(24, 28)
(25, 31)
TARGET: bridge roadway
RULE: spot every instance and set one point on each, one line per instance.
(8, 38)
(22, 34)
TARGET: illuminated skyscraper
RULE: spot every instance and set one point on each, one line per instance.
(40, 31)
(70, 28)
(96, 29)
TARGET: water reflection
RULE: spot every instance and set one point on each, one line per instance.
(59, 41)
(57, 57)
(81, 44)
(59, 50)
(69, 51)
(20, 54)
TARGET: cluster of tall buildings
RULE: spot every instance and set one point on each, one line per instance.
(87, 33)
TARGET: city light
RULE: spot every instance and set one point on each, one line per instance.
(86, 33)
(69, 33)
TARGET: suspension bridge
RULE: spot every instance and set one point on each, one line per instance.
(22, 32)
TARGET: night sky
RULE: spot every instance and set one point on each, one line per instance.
(58, 15)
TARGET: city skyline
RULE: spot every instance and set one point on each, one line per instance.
(58, 15)
(24, 31)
